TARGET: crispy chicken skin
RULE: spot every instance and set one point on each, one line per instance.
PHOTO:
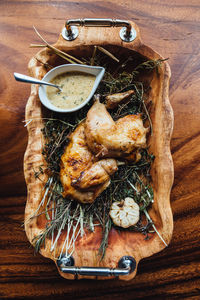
(97, 174)
(107, 138)
(83, 177)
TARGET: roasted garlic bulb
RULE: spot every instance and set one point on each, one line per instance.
(125, 213)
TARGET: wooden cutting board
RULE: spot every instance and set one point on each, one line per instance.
(125, 243)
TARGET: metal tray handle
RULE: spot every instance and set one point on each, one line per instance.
(127, 265)
(70, 32)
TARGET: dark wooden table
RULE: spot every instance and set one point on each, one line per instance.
(169, 27)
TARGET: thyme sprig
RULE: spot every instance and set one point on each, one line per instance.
(148, 65)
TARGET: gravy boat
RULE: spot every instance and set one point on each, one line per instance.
(98, 72)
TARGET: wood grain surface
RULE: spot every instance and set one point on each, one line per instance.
(172, 29)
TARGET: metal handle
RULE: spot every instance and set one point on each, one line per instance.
(98, 22)
(127, 265)
(70, 32)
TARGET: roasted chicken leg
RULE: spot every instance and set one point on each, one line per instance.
(107, 138)
(82, 175)
(114, 100)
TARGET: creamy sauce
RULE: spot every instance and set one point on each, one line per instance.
(76, 87)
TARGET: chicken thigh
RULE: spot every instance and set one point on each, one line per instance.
(107, 138)
(82, 175)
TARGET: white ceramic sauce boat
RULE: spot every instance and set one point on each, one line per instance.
(98, 72)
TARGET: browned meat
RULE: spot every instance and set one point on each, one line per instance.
(107, 138)
(83, 177)
(114, 100)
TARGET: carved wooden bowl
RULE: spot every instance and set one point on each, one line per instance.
(125, 243)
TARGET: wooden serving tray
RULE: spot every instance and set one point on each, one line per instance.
(125, 243)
